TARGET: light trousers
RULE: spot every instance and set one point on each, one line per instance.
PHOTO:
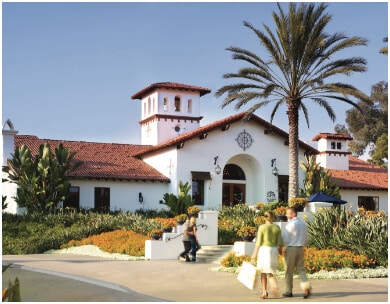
(293, 258)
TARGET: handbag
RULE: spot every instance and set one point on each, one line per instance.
(247, 275)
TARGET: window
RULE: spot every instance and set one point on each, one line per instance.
(198, 192)
(232, 171)
(189, 109)
(198, 181)
(73, 200)
(102, 199)
(283, 188)
(234, 191)
(144, 108)
(368, 202)
(177, 104)
(149, 105)
(165, 104)
(339, 146)
(333, 145)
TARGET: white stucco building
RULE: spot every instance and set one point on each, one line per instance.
(227, 162)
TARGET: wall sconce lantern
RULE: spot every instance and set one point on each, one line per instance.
(140, 198)
(217, 169)
(273, 165)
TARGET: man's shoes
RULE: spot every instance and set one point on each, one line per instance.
(307, 293)
(287, 294)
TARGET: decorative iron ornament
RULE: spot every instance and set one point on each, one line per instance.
(244, 140)
(271, 197)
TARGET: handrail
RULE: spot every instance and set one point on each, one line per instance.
(172, 238)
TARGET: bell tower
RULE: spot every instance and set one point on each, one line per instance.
(333, 150)
(168, 109)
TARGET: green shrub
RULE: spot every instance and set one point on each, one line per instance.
(36, 233)
(240, 215)
(227, 236)
(367, 235)
(361, 232)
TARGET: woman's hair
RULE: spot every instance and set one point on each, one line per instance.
(269, 215)
(192, 221)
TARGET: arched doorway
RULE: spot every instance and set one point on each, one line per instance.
(234, 185)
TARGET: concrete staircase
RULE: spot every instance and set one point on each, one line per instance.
(212, 254)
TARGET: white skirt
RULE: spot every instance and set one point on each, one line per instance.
(267, 259)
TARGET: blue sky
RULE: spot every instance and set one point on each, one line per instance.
(70, 69)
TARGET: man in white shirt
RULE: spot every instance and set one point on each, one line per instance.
(295, 238)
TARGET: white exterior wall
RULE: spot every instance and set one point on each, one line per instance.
(166, 163)
(9, 190)
(8, 147)
(123, 195)
(166, 128)
(322, 145)
(198, 155)
(8, 141)
(149, 109)
(158, 131)
(351, 196)
(184, 97)
(332, 158)
(149, 133)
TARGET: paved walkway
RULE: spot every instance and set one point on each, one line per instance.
(69, 278)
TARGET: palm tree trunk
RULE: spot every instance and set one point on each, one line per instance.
(293, 145)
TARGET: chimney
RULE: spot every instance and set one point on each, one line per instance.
(8, 140)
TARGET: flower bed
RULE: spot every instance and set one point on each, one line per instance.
(315, 260)
(118, 241)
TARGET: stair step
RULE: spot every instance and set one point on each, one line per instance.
(213, 254)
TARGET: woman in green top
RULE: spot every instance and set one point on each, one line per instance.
(268, 246)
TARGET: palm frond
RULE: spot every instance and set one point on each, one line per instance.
(305, 113)
(324, 104)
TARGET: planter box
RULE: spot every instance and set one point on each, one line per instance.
(242, 248)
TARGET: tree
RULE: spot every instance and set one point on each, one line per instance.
(297, 70)
(42, 180)
(341, 129)
(381, 151)
(317, 179)
(367, 129)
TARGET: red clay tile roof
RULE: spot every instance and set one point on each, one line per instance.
(219, 125)
(170, 86)
(119, 161)
(361, 176)
(331, 136)
(101, 160)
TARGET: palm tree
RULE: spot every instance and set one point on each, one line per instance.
(300, 61)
